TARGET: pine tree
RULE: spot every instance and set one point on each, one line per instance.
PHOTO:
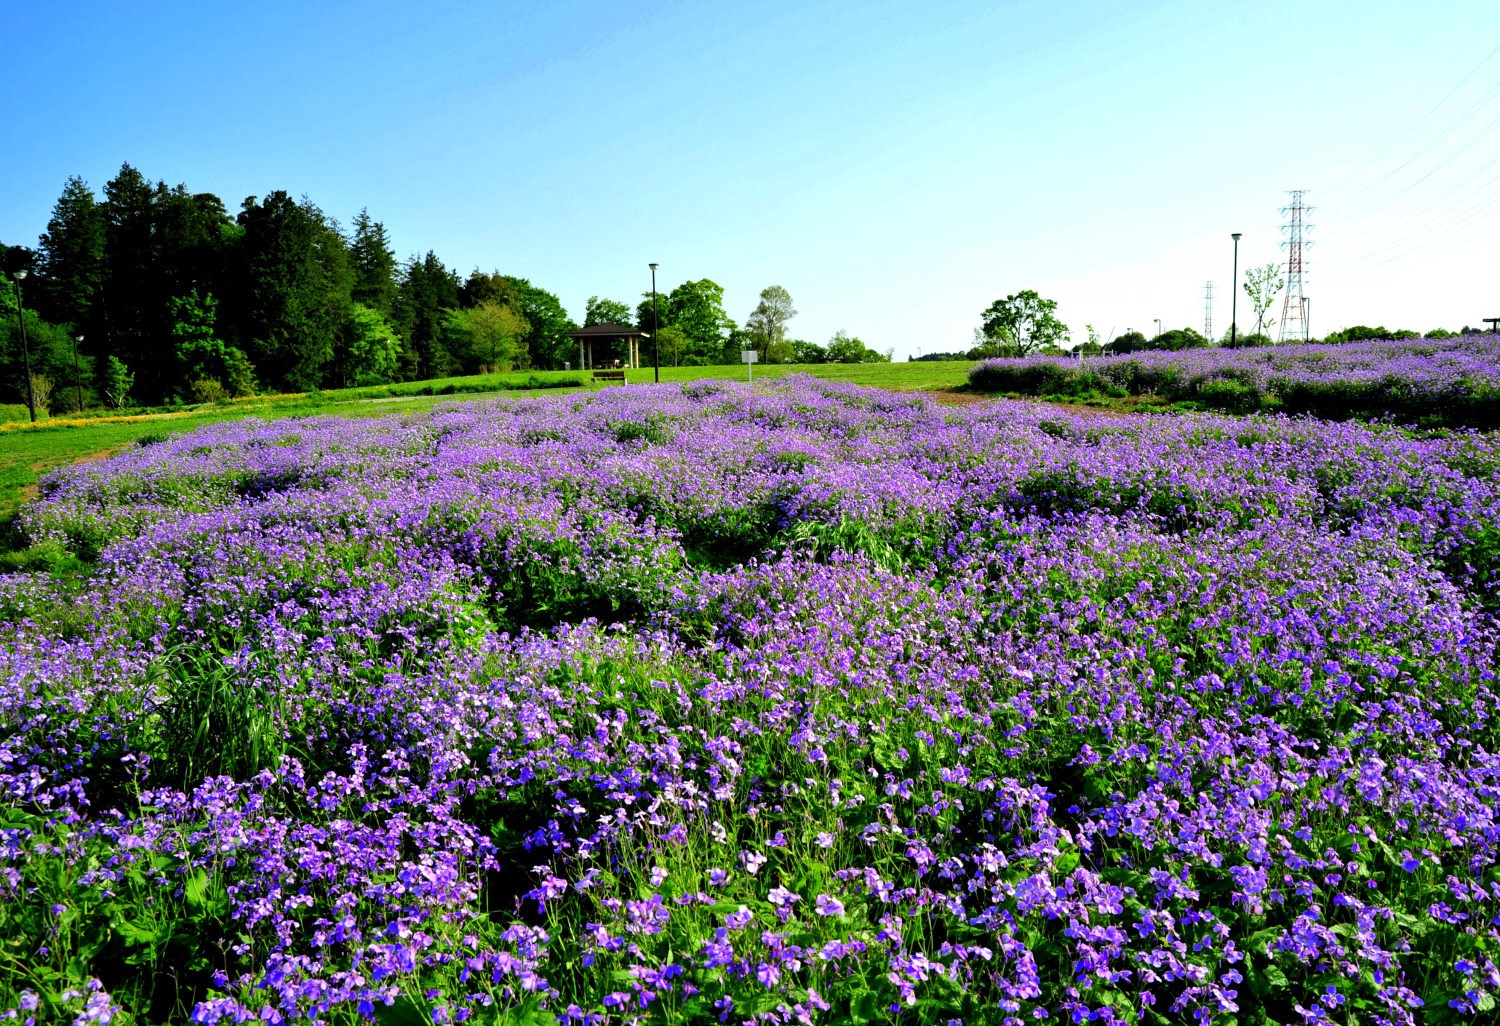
(427, 290)
(374, 265)
(298, 281)
(73, 256)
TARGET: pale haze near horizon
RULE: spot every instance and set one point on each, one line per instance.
(896, 167)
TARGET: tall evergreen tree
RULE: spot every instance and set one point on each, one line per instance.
(73, 256)
(298, 283)
(426, 290)
(374, 265)
(193, 235)
(133, 322)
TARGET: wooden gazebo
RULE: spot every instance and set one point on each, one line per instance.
(590, 339)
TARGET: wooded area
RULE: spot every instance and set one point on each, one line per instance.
(168, 297)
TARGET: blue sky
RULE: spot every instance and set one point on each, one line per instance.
(895, 166)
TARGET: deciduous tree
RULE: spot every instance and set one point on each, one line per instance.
(605, 311)
(767, 324)
(1261, 285)
(1020, 324)
(696, 309)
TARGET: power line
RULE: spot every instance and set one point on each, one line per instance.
(1417, 123)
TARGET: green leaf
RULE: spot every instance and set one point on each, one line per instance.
(195, 890)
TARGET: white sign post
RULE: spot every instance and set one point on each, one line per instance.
(749, 357)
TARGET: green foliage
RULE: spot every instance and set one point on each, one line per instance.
(696, 309)
(1261, 285)
(427, 289)
(547, 340)
(605, 311)
(1018, 325)
(844, 348)
(207, 390)
(1129, 342)
(487, 337)
(808, 352)
(118, 381)
(374, 265)
(239, 373)
(73, 254)
(298, 283)
(371, 352)
(766, 324)
(200, 353)
(673, 346)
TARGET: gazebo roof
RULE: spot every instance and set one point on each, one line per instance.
(607, 331)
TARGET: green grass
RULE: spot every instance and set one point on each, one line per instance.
(29, 451)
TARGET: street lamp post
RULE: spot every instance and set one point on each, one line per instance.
(1158, 326)
(20, 276)
(77, 374)
(1234, 289)
(655, 328)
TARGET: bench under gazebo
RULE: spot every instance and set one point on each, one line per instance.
(602, 337)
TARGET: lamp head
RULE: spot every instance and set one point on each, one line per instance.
(654, 266)
(20, 275)
(1235, 236)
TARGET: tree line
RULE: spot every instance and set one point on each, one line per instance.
(152, 294)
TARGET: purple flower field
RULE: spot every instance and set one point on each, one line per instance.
(811, 705)
(1442, 382)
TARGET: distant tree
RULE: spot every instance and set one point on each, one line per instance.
(374, 264)
(486, 288)
(1364, 333)
(844, 348)
(646, 320)
(673, 343)
(767, 324)
(807, 352)
(196, 243)
(1126, 343)
(1441, 333)
(199, 350)
(605, 311)
(1091, 346)
(117, 381)
(547, 341)
(1177, 338)
(73, 255)
(489, 336)
(426, 292)
(1261, 285)
(134, 325)
(298, 281)
(239, 372)
(696, 308)
(370, 351)
(1020, 324)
